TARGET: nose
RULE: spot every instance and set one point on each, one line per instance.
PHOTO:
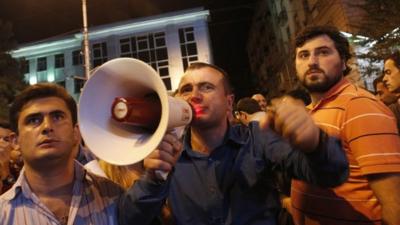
(385, 79)
(47, 125)
(312, 60)
(195, 95)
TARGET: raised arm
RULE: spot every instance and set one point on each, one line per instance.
(312, 155)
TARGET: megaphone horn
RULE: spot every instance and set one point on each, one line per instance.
(124, 111)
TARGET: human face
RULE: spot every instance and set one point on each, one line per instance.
(5, 144)
(204, 90)
(5, 138)
(318, 64)
(392, 76)
(384, 94)
(261, 101)
(46, 134)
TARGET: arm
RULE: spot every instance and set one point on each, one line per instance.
(319, 159)
(386, 188)
(142, 203)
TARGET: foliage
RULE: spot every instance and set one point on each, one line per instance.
(381, 27)
(11, 78)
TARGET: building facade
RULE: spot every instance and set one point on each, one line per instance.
(167, 42)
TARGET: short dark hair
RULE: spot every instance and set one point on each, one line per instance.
(341, 43)
(248, 105)
(37, 91)
(395, 56)
(378, 80)
(5, 124)
(226, 80)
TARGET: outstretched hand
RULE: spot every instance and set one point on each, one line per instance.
(164, 157)
(289, 118)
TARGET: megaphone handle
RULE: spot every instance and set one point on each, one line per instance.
(162, 175)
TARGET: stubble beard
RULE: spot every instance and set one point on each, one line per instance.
(321, 84)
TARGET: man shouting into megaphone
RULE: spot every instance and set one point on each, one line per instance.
(223, 174)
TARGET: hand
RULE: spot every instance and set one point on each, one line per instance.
(292, 121)
(164, 157)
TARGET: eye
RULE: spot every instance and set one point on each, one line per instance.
(388, 72)
(33, 120)
(57, 116)
(324, 52)
(185, 90)
(303, 55)
(206, 87)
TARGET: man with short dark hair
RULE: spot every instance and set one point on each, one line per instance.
(382, 92)
(52, 188)
(367, 130)
(224, 173)
(391, 78)
(246, 110)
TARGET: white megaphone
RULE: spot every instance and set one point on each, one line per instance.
(115, 141)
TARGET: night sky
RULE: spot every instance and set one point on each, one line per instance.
(229, 25)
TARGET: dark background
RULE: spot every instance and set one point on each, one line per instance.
(229, 25)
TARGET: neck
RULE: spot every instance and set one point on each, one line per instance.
(51, 181)
(206, 140)
(315, 98)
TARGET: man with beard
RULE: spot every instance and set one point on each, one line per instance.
(367, 130)
(224, 173)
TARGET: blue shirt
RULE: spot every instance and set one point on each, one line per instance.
(234, 184)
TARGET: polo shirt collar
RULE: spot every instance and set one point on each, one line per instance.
(334, 91)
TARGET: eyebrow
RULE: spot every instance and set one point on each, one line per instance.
(318, 48)
(52, 113)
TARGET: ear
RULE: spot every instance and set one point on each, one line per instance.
(343, 65)
(14, 140)
(77, 134)
(230, 100)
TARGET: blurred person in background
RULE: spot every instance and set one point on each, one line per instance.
(382, 92)
(261, 101)
(10, 157)
(246, 109)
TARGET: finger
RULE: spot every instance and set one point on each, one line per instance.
(159, 160)
(291, 129)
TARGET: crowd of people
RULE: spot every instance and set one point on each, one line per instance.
(328, 153)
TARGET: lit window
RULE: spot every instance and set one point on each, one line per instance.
(150, 48)
(41, 64)
(77, 58)
(59, 61)
(188, 46)
(99, 54)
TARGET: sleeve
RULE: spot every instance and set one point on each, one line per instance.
(327, 166)
(370, 132)
(141, 204)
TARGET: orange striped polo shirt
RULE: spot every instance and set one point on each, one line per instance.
(368, 132)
